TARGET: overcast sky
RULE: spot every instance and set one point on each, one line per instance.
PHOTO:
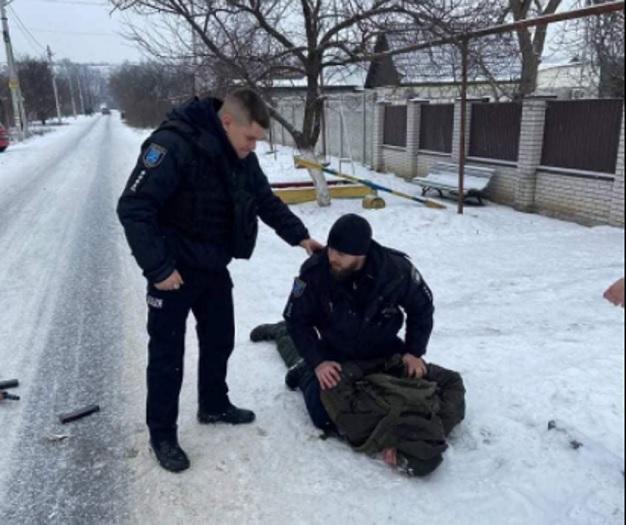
(85, 31)
(81, 30)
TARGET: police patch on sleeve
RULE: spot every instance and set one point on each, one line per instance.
(154, 155)
(299, 287)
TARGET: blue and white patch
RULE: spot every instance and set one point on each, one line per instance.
(154, 302)
(154, 155)
(299, 287)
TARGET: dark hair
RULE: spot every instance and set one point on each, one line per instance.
(252, 105)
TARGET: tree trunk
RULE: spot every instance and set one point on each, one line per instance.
(530, 69)
(307, 140)
(321, 186)
(305, 144)
(531, 46)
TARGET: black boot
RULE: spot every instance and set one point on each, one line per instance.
(266, 332)
(294, 374)
(232, 415)
(169, 455)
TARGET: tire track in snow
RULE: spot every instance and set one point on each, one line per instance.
(82, 479)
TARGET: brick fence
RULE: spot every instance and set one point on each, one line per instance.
(579, 195)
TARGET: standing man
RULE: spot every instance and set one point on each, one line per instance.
(349, 304)
(191, 206)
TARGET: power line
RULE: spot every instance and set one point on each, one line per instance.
(24, 30)
(75, 33)
(75, 2)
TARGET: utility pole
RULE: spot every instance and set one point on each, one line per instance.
(19, 114)
(69, 81)
(54, 85)
(80, 95)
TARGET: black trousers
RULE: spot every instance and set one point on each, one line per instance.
(311, 390)
(209, 296)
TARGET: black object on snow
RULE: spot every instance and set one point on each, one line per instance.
(10, 397)
(9, 383)
(79, 414)
(573, 443)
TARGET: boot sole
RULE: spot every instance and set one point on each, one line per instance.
(218, 421)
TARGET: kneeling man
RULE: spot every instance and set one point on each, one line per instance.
(342, 344)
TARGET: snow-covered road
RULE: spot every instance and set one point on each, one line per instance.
(60, 325)
(519, 314)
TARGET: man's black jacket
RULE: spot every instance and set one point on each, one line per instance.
(177, 208)
(360, 319)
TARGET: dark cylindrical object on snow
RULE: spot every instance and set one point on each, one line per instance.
(79, 414)
(10, 397)
(9, 383)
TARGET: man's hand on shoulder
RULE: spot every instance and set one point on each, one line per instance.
(311, 246)
(328, 374)
(415, 366)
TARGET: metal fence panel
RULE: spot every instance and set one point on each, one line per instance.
(583, 134)
(395, 126)
(436, 127)
(495, 130)
(357, 138)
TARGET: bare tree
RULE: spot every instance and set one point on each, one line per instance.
(595, 46)
(145, 92)
(493, 60)
(94, 84)
(36, 83)
(514, 55)
(255, 42)
(604, 39)
(508, 62)
(531, 44)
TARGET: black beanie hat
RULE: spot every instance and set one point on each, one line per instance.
(351, 235)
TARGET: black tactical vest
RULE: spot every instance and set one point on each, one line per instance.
(202, 208)
(215, 202)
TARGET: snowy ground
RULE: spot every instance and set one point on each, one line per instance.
(519, 313)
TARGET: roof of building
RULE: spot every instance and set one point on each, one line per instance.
(441, 64)
(350, 76)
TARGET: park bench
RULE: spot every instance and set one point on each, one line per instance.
(444, 177)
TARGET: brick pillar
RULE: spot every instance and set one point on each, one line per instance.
(530, 151)
(456, 131)
(413, 116)
(617, 202)
(378, 161)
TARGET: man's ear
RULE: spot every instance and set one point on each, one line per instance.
(226, 119)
